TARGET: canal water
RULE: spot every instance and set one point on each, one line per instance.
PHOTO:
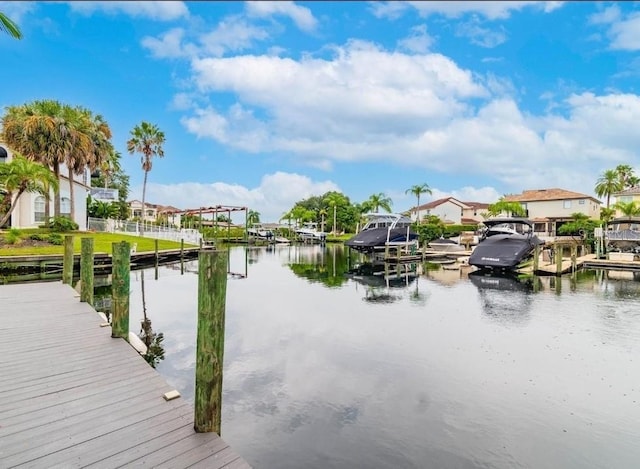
(428, 368)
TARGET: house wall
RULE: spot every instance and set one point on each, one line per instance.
(151, 214)
(473, 213)
(23, 215)
(562, 208)
(445, 211)
(626, 199)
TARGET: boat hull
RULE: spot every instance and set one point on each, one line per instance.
(503, 251)
(372, 239)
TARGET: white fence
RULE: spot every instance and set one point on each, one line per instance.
(189, 235)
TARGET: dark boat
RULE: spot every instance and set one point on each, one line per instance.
(623, 235)
(505, 244)
(383, 229)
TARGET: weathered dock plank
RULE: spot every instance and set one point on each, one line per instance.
(71, 396)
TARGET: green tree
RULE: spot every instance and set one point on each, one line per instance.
(626, 176)
(512, 209)
(607, 184)
(101, 209)
(9, 27)
(333, 200)
(111, 176)
(323, 213)
(19, 176)
(418, 190)
(146, 139)
(378, 201)
(607, 214)
(628, 209)
(253, 217)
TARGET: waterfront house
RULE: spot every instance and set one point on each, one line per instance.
(153, 212)
(626, 196)
(451, 211)
(549, 209)
(30, 207)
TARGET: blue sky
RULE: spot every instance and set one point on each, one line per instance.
(266, 103)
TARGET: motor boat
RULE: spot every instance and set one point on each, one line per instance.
(309, 232)
(381, 230)
(505, 244)
(445, 245)
(623, 235)
(258, 231)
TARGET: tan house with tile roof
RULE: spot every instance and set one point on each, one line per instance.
(452, 211)
(626, 196)
(551, 208)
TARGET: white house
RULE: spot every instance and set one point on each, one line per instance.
(451, 211)
(30, 207)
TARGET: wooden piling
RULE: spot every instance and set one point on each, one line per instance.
(86, 270)
(536, 258)
(121, 260)
(182, 255)
(212, 289)
(574, 257)
(67, 262)
(558, 255)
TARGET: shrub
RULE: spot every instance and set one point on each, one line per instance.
(39, 237)
(56, 238)
(62, 224)
(13, 236)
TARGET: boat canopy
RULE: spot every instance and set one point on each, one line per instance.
(386, 220)
(501, 221)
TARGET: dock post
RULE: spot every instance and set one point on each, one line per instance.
(536, 258)
(121, 265)
(574, 257)
(558, 256)
(182, 255)
(86, 270)
(157, 258)
(67, 262)
(212, 290)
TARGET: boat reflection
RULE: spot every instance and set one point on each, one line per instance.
(384, 283)
(505, 298)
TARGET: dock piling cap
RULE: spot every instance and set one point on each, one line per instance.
(168, 396)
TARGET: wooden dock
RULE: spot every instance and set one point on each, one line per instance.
(72, 396)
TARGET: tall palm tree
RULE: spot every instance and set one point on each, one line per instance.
(9, 27)
(378, 201)
(40, 132)
(626, 176)
(608, 183)
(146, 139)
(418, 190)
(511, 208)
(253, 217)
(323, 213)
(19, 176)
(333, 199)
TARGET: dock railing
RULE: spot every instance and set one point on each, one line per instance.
(189, 235)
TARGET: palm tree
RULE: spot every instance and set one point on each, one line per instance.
(511, 208)
(333, 199)
(626, 176)
(323, 213)
(418, 190)
(9, 27)
(19, 176)
(378, 201)
(608, 183)
(39, 131)
(628, 209)
(253, 217)
(146, 139)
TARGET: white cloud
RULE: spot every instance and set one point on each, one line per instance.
(483, 37)
(169, 45)
(606, 16)
(275, 195)
(231, 34)
(301, 16)
(452, 9)
(161, 11)
(418, 41)
(625, 35)
(467, 194)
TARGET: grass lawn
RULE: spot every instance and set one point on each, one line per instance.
(102, 243)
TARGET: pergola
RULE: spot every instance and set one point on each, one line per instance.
(215, 209)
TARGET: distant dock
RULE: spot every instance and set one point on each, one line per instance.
(72, 396)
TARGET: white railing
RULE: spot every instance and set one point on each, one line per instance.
(189, 235)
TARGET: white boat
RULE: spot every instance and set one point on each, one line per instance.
(445, 245)
(257, 231)
(623, 235)
(309, 232)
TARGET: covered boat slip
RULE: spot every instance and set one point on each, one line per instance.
(72, 396)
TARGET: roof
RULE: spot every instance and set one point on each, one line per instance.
(469, 221)
(541, 195)
(438, 202)
(476, 205)
(631, 191)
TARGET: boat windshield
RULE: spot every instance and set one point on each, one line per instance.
(387, 221)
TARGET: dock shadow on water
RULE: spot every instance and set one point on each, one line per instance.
(325, 367)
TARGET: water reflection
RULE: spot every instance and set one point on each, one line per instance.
(152, 339)
(327, 265)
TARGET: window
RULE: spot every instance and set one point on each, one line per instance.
(566, 204)
(38, 209)
(581, 201)
(65, 207)
(625, 198)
